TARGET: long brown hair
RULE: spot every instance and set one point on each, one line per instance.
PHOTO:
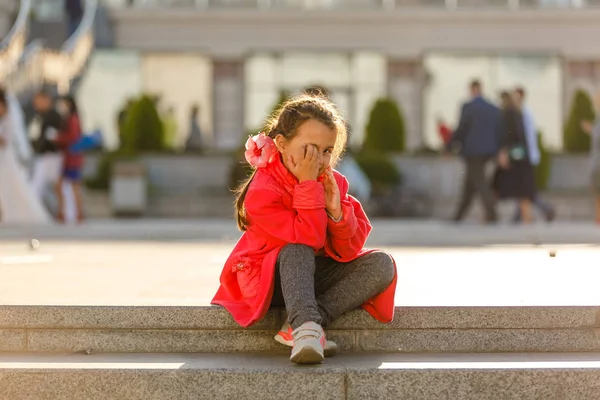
(285, 121)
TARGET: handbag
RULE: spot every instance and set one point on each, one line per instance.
(517, 153)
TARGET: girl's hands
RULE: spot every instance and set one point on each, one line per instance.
(308, 164)
(332, 195)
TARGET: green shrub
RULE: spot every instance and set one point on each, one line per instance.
(542, 170)
(143, 129)
(385, 130)
(380, 169)
(575, 139)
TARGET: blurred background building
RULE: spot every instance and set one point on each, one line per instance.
(232, 59)
(237, 55)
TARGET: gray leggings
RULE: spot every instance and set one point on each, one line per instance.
(320, 289)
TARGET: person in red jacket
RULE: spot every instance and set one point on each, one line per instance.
(303, 237)
(73, 162)
(444, 131)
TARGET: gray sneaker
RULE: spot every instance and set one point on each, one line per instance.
(309, 343)
(285, 336)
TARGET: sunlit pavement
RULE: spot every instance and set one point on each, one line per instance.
(178, 263)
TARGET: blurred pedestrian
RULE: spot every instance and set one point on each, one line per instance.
(71, 177)
(514, 178)
(194, 142)
(531, 137)
(477, 136)
(444, 131)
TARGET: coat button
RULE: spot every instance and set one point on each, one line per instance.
(240, 266)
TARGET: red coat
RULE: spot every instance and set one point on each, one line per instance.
(70, 134)
(280, 210)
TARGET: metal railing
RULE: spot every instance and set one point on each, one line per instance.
(355, 4)
(12, 46)
(41, 66)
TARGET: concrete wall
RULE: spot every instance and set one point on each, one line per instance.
(189, 186)
(404, 36)
(401, 33)
(439, 177)
(179, 174)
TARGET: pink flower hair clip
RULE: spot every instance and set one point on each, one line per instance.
(260, 150)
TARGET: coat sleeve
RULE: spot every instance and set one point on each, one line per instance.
(347, 237)
(304, 223)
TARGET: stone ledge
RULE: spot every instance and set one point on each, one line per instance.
(13, 340)
(217, 318)
(392, 341)
(126, 317)
(364, 376)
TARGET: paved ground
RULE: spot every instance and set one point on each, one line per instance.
(385, 232)
(245, 361)
(178, 263)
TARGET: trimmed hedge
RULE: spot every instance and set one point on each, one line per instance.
(143, 129)
(385, 131)
(542, 170)
(575, 139)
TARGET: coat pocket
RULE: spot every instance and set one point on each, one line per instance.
(248, 276)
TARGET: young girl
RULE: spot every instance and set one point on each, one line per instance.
(72, 161)
(303, 238)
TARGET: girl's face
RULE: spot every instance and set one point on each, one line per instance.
(310, 133)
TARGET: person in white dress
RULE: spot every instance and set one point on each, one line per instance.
(19, 204)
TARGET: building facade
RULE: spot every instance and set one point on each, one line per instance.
(234, 57)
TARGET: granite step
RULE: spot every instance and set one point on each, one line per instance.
(170, 329)
(258, 376)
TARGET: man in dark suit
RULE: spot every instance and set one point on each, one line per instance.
(478, 137)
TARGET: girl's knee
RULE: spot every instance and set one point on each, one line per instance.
(383, 267)
(295, 251)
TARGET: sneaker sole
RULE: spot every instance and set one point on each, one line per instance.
(307, 355)
(328, 351)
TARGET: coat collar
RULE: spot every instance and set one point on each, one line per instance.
(282, 175)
